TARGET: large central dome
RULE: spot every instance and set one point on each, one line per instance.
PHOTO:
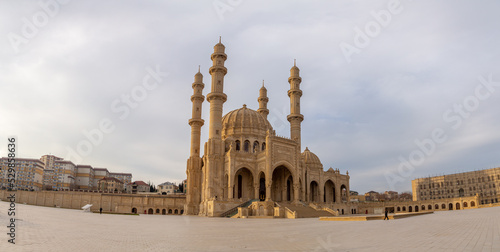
(244, 121)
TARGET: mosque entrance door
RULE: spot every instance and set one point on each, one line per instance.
(262, 189)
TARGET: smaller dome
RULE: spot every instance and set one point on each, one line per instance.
(310, 158)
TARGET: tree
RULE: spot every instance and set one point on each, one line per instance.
(181, 187)
(152, 187)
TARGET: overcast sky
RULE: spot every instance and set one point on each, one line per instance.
(392, 91)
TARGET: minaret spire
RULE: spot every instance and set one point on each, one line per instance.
(295, 118)
(214, 150)
(193, 170)
(263, 101)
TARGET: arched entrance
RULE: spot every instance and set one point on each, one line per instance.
(314, 197)
(416, 208)
(150, 211)
(409, 209)
(243, 184)
(282, 186)
(450, 206)
(457, 206)
(329, 196)
(262, 186)
(343, 193)
(134, 210)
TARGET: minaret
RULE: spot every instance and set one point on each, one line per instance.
(193, 171)
(213, 162)
(217, 97)
(263, 101)
(295, 118)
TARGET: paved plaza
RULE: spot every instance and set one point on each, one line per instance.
(56, 229)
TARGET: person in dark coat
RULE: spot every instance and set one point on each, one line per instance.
(100, 211)
(386, 216)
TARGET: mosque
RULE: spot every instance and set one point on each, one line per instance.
(244, 162)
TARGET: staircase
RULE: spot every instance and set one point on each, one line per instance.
(305, 211)
(231, 212)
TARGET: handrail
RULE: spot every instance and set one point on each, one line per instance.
(235, 209)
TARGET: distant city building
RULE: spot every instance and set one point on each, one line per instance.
(126, 178)
(110, 184)
(353, 193)
(99, 173)
(184, 186)
(483, 183)
(167, 188)
(58, 174)
(85, 177)
(29, 174)
(372, 196)
(137, 186)
(391, 195)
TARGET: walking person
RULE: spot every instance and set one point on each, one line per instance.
(386, 216)
(100, 211)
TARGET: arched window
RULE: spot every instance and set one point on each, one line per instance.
(443, 206)
(472, 203)
(263, 146)
(436, 206)
(157, 210)
(423, 207)
(399, 209)
(465, 204)
(238, 145)
(404, 209)
(429, 207)
(255, 146)
(246, 146)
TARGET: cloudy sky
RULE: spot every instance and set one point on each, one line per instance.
(392, 90)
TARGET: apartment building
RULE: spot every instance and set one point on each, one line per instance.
(28, 174)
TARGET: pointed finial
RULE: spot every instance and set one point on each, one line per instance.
(199, 68)
(294, 62)
(244, 106)
(220, 37)
(262, 83)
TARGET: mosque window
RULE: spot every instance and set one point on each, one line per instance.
(237, 145)
(255, 146)
(264, 146)
(246, 146)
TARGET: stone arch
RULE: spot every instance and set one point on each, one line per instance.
(314, 191)
(398, 209)
(157, 210)
(182, 211)
(429, 207)
(169, 211)
(404, 209)
(443, 206)
(465, 204)
(176, 211)
(344, 193)
(423, 207)
(457, 206)
(282, 184)
(410, 209)
(238, 145)
(134, 210)
(450, 206)
(163, 211)
(472, 204)
(416, 209)
(329, 192)
(243, 184)
(436, 207)
(150, 211)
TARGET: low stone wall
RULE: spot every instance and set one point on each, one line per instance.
(113, 203)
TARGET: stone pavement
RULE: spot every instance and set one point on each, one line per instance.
(55, 229)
